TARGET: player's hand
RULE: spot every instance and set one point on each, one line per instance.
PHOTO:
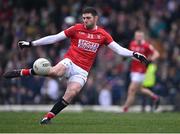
(141, 58)
(24, 44)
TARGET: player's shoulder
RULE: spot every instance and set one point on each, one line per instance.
(147, 43)
(133, 42)
(79, 25)
(102, 30)
(76, 26)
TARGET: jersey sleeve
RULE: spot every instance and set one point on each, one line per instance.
(108, 38)
(70, 32)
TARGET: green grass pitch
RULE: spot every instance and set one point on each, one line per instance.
(92, 122)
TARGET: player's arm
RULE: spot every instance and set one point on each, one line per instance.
(128, 53)
(43, 41)
(155, 54)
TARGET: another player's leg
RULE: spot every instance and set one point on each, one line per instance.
(155, 98)
(73, 88)
(18, 73)
(133, 88)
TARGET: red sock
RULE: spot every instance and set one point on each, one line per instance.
(125, 109)
(26, 72)
(155, 97)
(50, 115)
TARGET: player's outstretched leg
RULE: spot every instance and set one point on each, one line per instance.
(18, 73)
(12, 74)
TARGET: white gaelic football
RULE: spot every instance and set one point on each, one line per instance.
(41, 66)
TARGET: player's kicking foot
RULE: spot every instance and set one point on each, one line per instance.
(45, 121)
(12, 74)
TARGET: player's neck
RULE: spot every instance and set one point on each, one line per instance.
(93, 28)
(140, 42)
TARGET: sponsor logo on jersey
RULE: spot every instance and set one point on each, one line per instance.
(87, 45)
(83, 33)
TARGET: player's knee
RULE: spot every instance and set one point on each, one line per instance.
(52, 72)
(69, 95)
(73, 90)
(73, 93)
(131, 91)
(56, 72)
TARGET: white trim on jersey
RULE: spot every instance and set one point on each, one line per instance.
(120, 50)
(50, 39)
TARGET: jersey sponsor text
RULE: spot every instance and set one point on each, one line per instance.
(87, 45)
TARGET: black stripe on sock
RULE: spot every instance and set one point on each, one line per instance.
(59, 105)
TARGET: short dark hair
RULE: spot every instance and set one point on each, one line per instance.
(90, 10)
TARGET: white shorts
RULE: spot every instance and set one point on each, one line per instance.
(74, 72)
(137, 77)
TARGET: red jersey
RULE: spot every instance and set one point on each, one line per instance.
(85, 44)
(143, 48)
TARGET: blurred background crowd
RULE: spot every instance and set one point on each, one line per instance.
(108, 80)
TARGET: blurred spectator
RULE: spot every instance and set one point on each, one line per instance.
(105, 98)
(50, 90)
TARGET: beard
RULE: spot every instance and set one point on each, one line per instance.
(90, 26)
(139, 42)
